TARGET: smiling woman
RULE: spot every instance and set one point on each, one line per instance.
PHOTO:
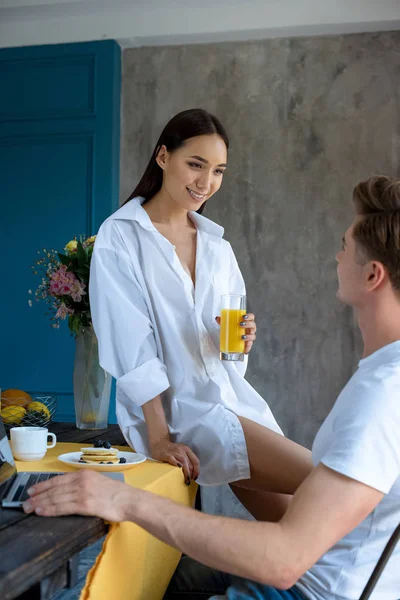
(190, 179)
(159, 269)
(185, 126)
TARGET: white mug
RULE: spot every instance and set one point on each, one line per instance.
(30, 443)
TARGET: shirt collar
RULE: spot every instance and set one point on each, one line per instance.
(133, 211)
(206, 225)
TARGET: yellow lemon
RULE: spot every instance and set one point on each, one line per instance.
(39, 407)
(13, 414)
(88, 417)
(15, 398)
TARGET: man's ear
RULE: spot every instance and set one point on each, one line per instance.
(376, 275)
(162, 157)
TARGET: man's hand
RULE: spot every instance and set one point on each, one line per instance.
(83, 493)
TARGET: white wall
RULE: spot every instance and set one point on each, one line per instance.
(153, 22)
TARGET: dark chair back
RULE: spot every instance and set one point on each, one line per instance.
(380, 565)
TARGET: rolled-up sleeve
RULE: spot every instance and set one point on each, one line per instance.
(127, 346)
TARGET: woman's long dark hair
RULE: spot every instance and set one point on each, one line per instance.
(187, 124)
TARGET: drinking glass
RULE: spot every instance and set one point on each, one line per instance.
(233, 308)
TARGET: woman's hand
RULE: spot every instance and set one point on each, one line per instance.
(249, 334)
(161, 446)
(81, 493)
(178, 455)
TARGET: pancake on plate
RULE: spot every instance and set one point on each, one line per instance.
(98, 456)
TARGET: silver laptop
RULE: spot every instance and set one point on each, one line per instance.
(13, 485)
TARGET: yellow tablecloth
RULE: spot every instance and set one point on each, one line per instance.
(133, 565)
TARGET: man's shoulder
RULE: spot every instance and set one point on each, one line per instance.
(362, 429)
(381, 376)
(371, 394)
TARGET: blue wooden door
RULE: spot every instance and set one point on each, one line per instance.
(59, 164)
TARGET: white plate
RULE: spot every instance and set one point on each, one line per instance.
(132, 459)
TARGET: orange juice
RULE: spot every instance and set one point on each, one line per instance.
(231, 332)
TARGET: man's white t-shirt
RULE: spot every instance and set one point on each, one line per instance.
(360, 438)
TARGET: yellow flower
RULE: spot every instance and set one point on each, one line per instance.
(91, 240)
(71, 246)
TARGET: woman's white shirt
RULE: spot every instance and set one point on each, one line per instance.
(158, 335)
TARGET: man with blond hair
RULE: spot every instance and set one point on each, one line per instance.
(328, 541)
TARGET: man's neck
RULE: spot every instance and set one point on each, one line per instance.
(379, 327)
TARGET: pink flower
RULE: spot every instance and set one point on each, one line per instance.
(64, 289)
(54, 287)
(64, 283)
(63, 311)
(77, 291)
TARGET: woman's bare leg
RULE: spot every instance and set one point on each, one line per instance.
(276, 465)
(264, 506)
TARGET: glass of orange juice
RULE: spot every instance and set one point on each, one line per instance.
(233, 308)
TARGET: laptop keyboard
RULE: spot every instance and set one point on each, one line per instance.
(21, 492)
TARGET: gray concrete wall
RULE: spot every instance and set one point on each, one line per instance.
(308, 118)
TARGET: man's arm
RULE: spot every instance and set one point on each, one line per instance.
(324, 509)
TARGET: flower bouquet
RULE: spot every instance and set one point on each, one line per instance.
(64, 285)
(64, 288)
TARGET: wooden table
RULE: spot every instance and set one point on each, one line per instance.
(38, 557)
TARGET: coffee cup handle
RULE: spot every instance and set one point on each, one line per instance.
(53, 440)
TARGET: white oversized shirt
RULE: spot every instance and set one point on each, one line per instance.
(360, 438)
(158, 335)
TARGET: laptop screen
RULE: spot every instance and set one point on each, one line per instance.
(7, 465)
